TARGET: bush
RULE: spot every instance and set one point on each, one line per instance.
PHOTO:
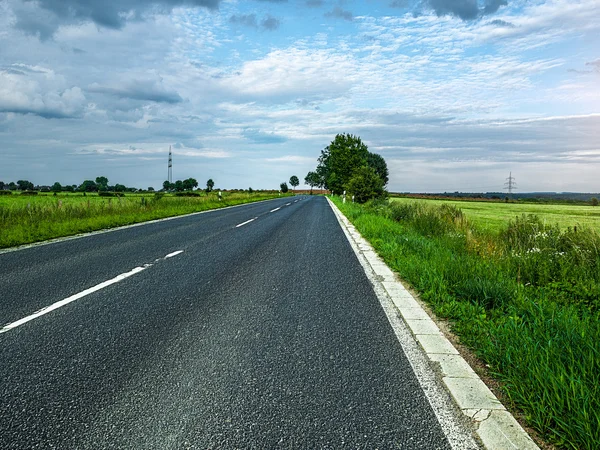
(187, 194)
(365, 184)
(29, 193)
(110, 194)
(3, 192)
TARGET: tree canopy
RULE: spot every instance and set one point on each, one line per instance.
(344, 157)
(294, 181)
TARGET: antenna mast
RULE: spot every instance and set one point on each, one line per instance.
(170, 174)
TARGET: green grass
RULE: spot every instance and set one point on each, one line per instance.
(525, 299)
(28, 219)
(493, 216)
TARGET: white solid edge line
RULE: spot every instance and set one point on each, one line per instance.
(245, 223)
(170, 255)
(276, 209)
(72, 298)
(439, 398)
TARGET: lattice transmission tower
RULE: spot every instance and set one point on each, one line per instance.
(510, 184)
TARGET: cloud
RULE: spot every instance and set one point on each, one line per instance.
(465, 9)
(107, 13)
(36, 90)
(247, 20)
(595, 65)
(285, 75)
(145, 89)
(339, 13)
(314, 3)
(268, 23)
(491, 6)
(261, 137)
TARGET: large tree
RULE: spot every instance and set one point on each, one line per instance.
(340, 159)
(294, 181)
(283, 187)
(56, 187)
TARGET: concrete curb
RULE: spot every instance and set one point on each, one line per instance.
(495, 427)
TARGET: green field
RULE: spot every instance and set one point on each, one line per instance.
(26, 219)
(494, 216)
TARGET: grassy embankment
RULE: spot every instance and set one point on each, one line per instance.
(26, 219)
(525, 298)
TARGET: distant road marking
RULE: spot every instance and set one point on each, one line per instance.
(276, 209)
(246, 222)
(295, 201)
(287, 204)
(81, 294)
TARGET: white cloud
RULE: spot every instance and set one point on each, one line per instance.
(26, 89)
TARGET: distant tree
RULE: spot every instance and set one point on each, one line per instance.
(312, 179)
(284, 187)
(167, 186)
(150, 189)
(189, 184)
(88, 186)
(24, 185)
(294, 181)
(594, 201)
(365, 184)
(250, 190)
(56, 187)
(379, 165)
(179, 186)
(210, 184)
(2, 185)
(120, 187)
(102, 183)
(12, 186)
(69, 188)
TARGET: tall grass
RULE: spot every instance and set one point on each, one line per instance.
(526, 300)
(25, 221)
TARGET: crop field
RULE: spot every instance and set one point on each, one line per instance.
(26, 219)
(523, 294)
(494, 216)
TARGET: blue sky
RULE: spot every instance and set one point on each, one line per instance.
(454, 94)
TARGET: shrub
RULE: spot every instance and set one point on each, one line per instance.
(110, 194)
(2, 192)
(29, 193)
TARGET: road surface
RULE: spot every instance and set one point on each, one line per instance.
(247, 327)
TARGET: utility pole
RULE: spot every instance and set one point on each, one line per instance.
(510, 184)
(170, 174)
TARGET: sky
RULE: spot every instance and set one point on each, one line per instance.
(454, 94)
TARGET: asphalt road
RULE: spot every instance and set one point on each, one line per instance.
(264, 335)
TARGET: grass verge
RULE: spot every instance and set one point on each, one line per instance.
(526, 300)
(28, 220)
